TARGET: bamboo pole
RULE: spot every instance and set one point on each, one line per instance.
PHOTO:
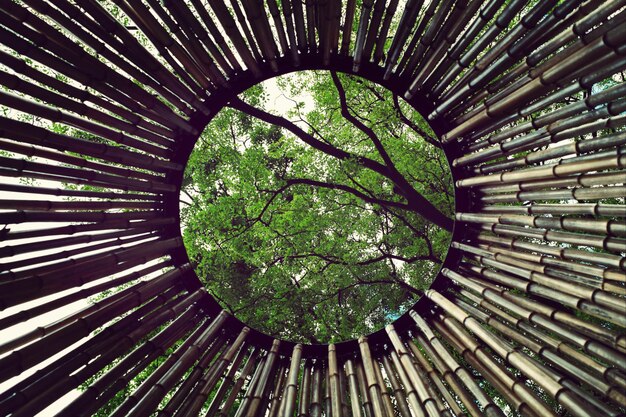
(365, 395)
(252, 361)
(353, 385)
(304, 403)
(568, 399)
(316, 392)
(291, 390)
(530, 93)
(373, 388)
(333, 377)
(417, 380)
(229, 379)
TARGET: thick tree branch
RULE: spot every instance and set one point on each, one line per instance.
(307, 138)
(413, 125)
(345, 112)
(416, 201)
(350, 190)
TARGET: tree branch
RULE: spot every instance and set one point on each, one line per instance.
(238, 104)
(416, 201)
(350, 190)
(412, 125)
(345, 112)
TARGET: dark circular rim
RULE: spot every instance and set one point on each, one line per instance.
(308, 62)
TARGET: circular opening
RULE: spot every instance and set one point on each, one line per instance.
(317, 206)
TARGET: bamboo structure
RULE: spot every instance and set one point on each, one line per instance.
(103, 102)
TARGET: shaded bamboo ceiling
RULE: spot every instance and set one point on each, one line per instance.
(528, 313)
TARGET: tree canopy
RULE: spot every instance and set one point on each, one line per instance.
(319, 222)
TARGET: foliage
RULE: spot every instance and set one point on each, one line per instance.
(304, 236)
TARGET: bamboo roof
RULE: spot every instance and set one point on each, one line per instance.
(528, 313)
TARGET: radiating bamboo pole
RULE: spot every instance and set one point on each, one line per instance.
(265, 377)
(347, 26)
(151, 399)
(388, 406)
(278, 25)
(151, 225)
(194, 402)
(343, 392)
(601, 278)
(607, 117)
(384, 31)
(436, 388)
(373, 388)
(228, 382)
(463, 38)
(216, 34)
(316, 391)
(558, 363)
(441, 26)
(545, 81)
(27, 314)
(398, 391)
(588, 209)
(304, 402)
(189, 385)
(328, 406)
(39, 390)
(448, 366)
(120, 375)
(198, 38)
(424, 21)
(291, 390)
(604, 299)
(311, 19)
(27, 133)
(41, 191)
(30, 288)
(13, 250)
(564, 395)
(353, 386)
(363, 387)
(55, 342)
(418, 382)
(248, 53)
(291, 31)
(72, 52)
(63, 322)
(573, 224)
(333, 377)
(409, 16)
(517, 394)
(500, 56)
(276, 399)
(591, 346)
(373, 28)
(252, 361)
(604, 70)
(361, 35)
(548, 348)
(141, 58)
(409, 389)
(173, 51)
(74, 115)
(259, 24)
(553, 294)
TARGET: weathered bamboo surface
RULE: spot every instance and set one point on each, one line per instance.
(101, 99)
